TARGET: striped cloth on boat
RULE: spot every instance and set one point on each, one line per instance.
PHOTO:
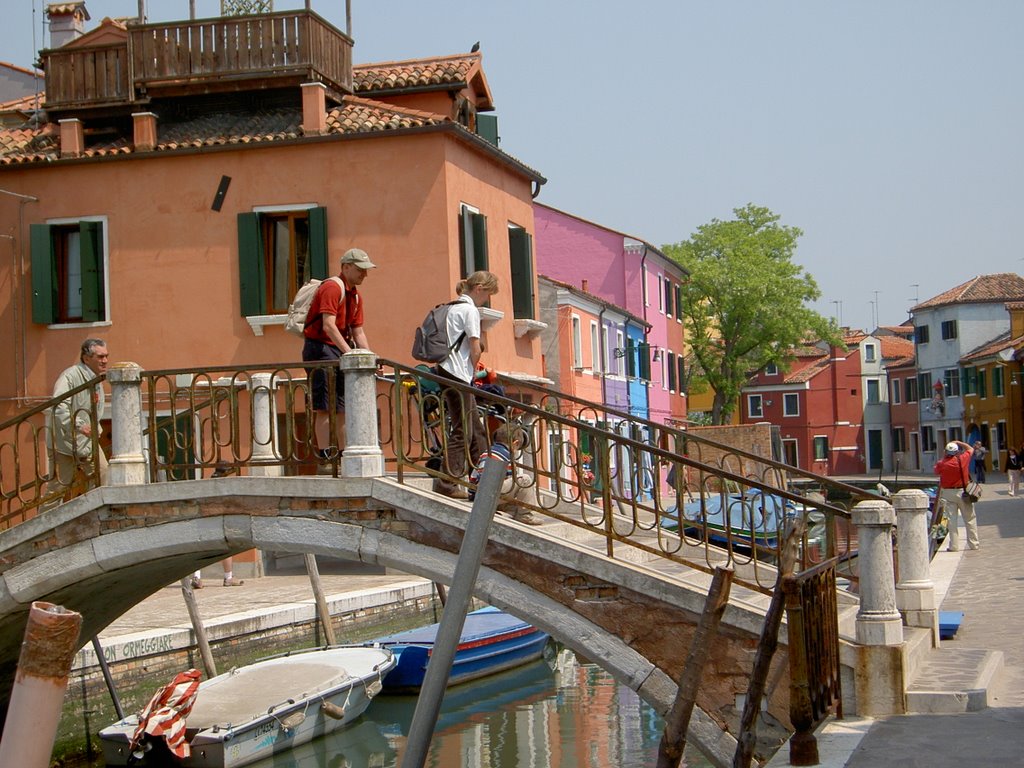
(166, 713)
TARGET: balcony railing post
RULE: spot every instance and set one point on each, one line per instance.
(362, 456)
(264, 457)
(878, 621)
(915, 592)
(128, 463)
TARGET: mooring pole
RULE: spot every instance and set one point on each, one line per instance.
(673, 741)
(439, 668)
(101, 657)
(197, 626)
(321, 599)
(33, 713)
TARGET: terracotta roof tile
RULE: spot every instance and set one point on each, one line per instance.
(355, 115)
(993, 347)
(446, 71)
(808, 373)
(1005, 286)
(894, 347)
(901, 362)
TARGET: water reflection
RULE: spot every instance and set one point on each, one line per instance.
(562, 714)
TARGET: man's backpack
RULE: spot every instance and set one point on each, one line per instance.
(431, 342)
(298, 310)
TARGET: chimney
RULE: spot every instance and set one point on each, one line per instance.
(67, 22)
(314, 109)
(145, 131)
(585, 286)
(72, 137)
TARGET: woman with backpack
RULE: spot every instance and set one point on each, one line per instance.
(466, 437)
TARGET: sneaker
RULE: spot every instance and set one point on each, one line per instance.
(234, 582)
(196, 583)
(528, 518)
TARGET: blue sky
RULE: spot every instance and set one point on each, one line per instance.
(890, 132)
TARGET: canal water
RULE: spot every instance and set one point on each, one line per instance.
(549, 714)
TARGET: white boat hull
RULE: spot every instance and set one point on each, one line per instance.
(271, 706)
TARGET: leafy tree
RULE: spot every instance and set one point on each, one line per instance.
(744, 303)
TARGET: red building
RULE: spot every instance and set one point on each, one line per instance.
(816, 403)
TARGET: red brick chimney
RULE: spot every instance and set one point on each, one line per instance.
(314, 109)
(145, 131)
(72, 137)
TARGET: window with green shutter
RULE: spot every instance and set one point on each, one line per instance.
(520, 248)
(669, 293)
(472, 240)
(645, 361)
(68, 272)
(671, 371)
(278, 251)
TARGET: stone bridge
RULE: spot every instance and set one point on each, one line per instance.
(104, 552)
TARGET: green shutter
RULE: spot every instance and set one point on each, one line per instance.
(92, 271)
(251, 276)
(681, 365)
(668, 298)
(679, 301)
(645, 361)
(630, 359)
(671, 372)
(44, 279)
(465, 238)
(479, 224)
(487, 128)
(319, 267)
(521, 252)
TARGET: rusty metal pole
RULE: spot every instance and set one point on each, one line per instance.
(51, 639)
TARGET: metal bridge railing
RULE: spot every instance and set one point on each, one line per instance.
(28, 451)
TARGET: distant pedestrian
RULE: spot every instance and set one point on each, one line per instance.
(978, 462)
(952, 472)
(1014, 464)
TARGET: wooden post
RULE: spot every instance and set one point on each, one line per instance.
(197, 626)
(321, 600)
(766, 646)
(670, 751)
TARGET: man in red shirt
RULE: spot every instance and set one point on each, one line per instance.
(953, 477)
(334, 326)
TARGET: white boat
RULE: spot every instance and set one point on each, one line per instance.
(256, 711)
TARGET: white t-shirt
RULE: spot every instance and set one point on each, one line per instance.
(464, 316)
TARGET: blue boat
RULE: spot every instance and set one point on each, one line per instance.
(745, 519)
(491, 641)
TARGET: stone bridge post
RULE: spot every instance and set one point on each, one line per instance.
(128, 463)
(263, 428)
(362, 456)
(879, 679)
(915, 592)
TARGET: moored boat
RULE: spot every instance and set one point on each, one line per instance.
(491, 641)
(260, 709)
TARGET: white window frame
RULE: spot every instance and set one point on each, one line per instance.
(814, 447)
(751, 413)
(896, 394)
(787, 398)
(661, 293)
(643, 283)
(63, 222)
(595, 347)
(771, 369)
(577, 342)
(619, 344)
(870, 353)
(867, 391)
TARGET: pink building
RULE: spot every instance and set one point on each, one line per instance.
(632, 274)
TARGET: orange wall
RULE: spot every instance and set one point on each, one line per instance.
(173, 262)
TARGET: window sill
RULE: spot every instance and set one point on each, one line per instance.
(524, 327)
(259, 322)
(489, 317)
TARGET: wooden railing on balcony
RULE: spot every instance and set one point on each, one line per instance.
(214, 54)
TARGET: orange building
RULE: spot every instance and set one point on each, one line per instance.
(173, 206)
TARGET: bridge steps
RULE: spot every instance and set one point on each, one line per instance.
(950, 680)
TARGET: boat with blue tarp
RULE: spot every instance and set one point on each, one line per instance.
(491, 641)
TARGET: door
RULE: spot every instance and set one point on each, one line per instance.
(874, 449)
(789, 452)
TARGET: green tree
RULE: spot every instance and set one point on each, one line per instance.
(744, 302)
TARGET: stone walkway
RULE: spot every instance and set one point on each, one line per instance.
(989, 588)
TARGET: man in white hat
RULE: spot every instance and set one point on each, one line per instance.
(334, 326)
(953, 478)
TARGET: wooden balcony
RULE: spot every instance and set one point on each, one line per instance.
(238, 53)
